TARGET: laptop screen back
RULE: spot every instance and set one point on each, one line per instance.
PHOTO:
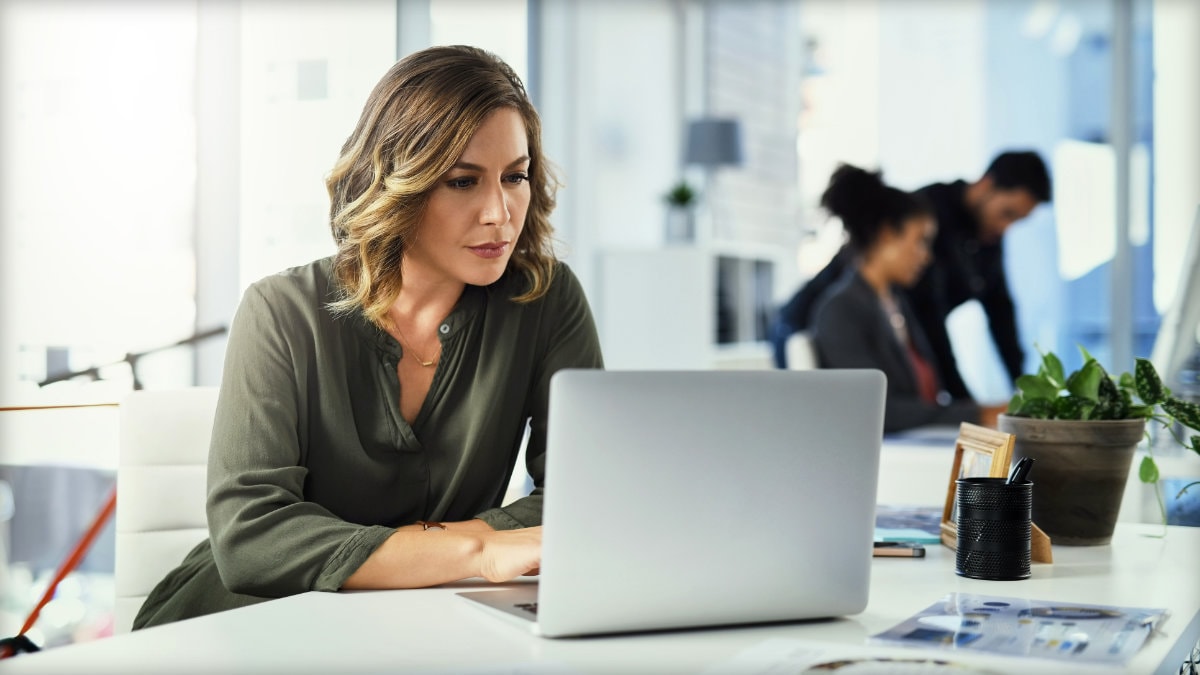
(678, 499)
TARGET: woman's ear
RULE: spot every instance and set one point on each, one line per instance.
(889, 231)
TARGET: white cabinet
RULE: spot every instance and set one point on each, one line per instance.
(684, 308)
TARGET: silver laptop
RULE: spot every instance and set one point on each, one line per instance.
(683, 499)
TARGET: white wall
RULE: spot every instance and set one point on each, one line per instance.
(609, 107)
(931, 90)
(306, 71)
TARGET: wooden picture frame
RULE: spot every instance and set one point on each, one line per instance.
(983, 452)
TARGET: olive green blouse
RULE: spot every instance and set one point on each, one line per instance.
(312, 466)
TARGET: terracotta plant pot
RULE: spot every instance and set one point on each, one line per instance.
(1079, 473)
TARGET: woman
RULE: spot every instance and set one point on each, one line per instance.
(863, 321)
(373, 403)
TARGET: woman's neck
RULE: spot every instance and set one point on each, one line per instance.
(875, 277)
(423, 303)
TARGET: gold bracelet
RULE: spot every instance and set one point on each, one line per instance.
(431, 525)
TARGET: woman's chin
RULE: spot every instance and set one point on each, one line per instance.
(485, 275)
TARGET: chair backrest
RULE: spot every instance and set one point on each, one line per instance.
(161, 476)
(800, 351)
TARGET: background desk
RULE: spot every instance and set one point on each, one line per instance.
(914, 470)
(432, 630)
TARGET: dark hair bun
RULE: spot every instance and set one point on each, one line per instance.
(866, 204)
(853, 194)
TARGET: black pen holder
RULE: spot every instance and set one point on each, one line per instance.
(993, 525)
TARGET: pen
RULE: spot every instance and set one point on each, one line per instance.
(898, 549)
(1020, 471)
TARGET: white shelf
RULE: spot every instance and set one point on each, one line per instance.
(656, 309)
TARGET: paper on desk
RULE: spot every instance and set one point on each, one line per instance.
(920, 524)
(780, 656)
(963, 622)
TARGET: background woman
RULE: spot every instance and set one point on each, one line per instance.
(864, 321)
(373, 402)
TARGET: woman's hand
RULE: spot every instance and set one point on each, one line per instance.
(508, 554)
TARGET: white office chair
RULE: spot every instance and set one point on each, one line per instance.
(800, 351)
(161, 468)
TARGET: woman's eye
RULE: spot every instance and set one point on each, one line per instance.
(461, 183)
(517, 178)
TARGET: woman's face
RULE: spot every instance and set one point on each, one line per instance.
(476, 212)
(907, 251)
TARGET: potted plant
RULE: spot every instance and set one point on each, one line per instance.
(1082, 430)
(680, 218)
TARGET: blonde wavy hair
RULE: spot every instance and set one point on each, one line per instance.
(415, 125)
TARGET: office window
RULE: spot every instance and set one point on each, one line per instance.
(98, 180)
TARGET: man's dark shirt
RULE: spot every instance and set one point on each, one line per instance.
(963, 268)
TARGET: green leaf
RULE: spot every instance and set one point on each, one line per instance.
(1149, 385)
(1086, 356)
(1126, 382)
(1185, 412)
(1053, 368)
(1069, 408)
(1196, 444)
(1085, 382)
(1142, 411)
(681, 194)
(1089, 410)
(1037, 386)
(1108, 389)
(1111, 405)
(1014, 404)
(1038, 408)
(1148, 471)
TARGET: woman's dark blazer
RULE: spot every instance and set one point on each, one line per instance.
(852, 330)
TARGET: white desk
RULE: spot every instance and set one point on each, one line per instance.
(81, 434)
(432, 630)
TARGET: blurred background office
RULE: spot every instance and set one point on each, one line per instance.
(157, 158)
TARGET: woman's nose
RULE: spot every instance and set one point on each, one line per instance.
(494, 210)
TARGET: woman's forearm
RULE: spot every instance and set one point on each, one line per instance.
(416, 558)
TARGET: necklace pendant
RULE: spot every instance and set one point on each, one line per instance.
(407, 351)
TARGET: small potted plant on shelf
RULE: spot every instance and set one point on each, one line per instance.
(681, 200)
(1082, 429)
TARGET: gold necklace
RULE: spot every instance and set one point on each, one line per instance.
(410, 350)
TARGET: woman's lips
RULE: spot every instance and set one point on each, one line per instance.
(494, 250)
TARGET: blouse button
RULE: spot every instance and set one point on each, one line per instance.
(444, 328)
